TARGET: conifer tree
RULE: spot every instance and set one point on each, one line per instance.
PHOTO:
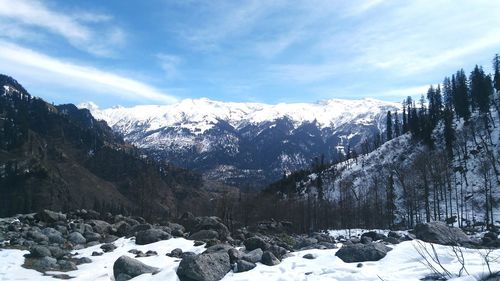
(460, 95)
(397, 125)
(496, 75)
(389, 125)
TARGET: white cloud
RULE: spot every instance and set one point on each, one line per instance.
(31, 14)
(169, 64)
(80, 76)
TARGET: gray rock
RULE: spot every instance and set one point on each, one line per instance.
(128, 266)
(253, 256)
(40, 252)
(253, 243)
(391, 240)
(150, 236)
(440, 233)
(242, 266)
(139, 227)
(269, 259)
(175, 253)
(50, 216)
(82, 260)
(37, 236)
(44, 264)
(366, 240)
(100, 226)
(76, 238)
(218, 248)
(234, 255)
(204, 267)
(309, 256)
(108, 247)
(122, 228)
(56, 239)
(204, 235)
(362, 252)
(375, 236)
(66, 265)
(92, 236)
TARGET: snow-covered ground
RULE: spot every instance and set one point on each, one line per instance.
(402, 263)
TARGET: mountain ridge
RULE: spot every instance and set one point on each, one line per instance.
(242, 143)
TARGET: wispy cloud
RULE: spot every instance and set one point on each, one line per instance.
(169, 64)
(31, 14)
(83, 77)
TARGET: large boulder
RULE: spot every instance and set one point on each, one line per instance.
(268, 258)
(50, 216)
(195, 224)
(242, 266)
(440, 233)
(150, 236)
(40, 252)
(205, 267)
(253, 256)
(100, 226)
(76, 238)
(362, 252)
(126, 268)
(256, 242)
(204, 235)
(373, 235)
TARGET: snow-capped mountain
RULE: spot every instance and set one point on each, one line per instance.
(251, 143)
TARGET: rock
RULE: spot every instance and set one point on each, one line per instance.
(139, 227)
(40, 252)
(76, 238)
(218, 248)
(82, 260)
(362, 252)
(359, 265)
(309, 256)
(394, 234)
(109, 247)
(151, 253)
(204, 235)
(150, 236)
(234, 255)
(50, 216)
(391, 240)
(44, 264)
(278, 251)
(198, 243)
(66, 265)
(269, 259)
(375, 236)
(175, 253)
(440, 233)
(96, 254)
(366, 240)
(122, 228)
(110, 239)
(37, 236)
(56, 239)
(131, 267)
(100, 226)
(195, 224)
(204, 267)
(92, 236)
(57, 252)
(306, 242)
(253, 256)
(242, 266)
(253, 243)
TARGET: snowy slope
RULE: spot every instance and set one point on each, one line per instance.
(236, 142)
(398, 157)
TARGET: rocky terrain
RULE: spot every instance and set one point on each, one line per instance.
(54, 241)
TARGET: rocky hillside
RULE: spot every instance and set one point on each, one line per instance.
(247, 143)
(60, 157)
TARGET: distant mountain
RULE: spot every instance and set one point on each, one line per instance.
(249, 144)
(60, 157)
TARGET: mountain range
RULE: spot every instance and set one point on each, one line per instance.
(247, 144)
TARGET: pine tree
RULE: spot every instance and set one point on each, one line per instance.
(480, 89)
(389, 125)
(405, 119)
(496, 75)
(397, 125)
(447, 93)
(461, 95)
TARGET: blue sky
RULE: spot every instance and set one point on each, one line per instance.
(161, 51)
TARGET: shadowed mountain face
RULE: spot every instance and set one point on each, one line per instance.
(248, 144)
(60, 157)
